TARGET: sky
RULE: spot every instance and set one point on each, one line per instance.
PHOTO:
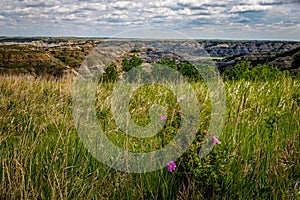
(197, 19)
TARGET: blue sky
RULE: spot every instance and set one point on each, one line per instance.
(203, 19)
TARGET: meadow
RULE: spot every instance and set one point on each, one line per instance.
(42, 156)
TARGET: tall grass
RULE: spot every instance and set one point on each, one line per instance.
(42, 157)
(262, 133)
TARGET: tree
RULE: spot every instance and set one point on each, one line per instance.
(131, 62)
(111, 74)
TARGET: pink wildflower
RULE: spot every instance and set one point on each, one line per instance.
(163, 118)
(215, 140)
(171, 166)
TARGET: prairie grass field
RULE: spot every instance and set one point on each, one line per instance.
(42, 156)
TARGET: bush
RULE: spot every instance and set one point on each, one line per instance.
(111, 73)
(210, 172)
(244, 70)
(131, 62)
(239, 71)
(185, 68)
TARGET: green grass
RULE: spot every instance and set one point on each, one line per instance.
(42, 157)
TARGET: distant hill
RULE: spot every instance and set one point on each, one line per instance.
(285, 60)
(46, 56)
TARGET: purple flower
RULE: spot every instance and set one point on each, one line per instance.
(163, 118)
(204, 132)
(171, 166)
(179, 111)
(215, 140)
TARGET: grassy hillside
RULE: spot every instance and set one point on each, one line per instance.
(42, 156)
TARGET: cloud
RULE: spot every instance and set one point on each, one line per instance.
(293, 1)
(104, 17)
(249, 8)
(126, 5)
(272, 2)
(285, 23)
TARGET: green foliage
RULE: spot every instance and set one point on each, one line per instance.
(131, 62)
(185, 68)
(189, 71)
(111, 73)
(209, 173)
(168, 62)
(244, 71)
(239, 71)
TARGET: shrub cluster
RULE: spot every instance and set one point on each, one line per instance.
(244, 70)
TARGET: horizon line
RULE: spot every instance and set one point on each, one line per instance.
(154, 38)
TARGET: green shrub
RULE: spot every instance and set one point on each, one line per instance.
(131, 62)
(239, 71)
(210, 172)
(184, 68)
(244, 70)
(111, 73)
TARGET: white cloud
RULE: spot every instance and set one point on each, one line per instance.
(186, 11)
(116, 15)
(249, 8)
(126, 5)
(159, 4)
